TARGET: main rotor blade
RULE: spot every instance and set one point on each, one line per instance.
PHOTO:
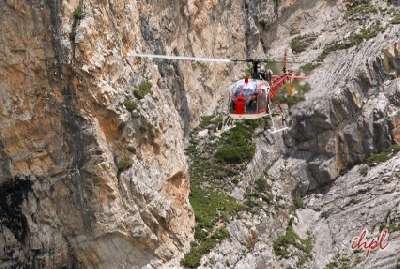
(215, 60)
(182, 58)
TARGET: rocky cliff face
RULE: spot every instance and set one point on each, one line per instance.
(350, 114)
(85, 183)
(93, 172)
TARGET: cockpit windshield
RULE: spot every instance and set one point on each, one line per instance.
(249, 88)
(249, 96)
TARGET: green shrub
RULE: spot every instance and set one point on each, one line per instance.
(298, 202)
(395, 19)
(209, 206)
(192, 259)
(236, 146)
(208, 169)
(261, 185)
(252, 125)
(200, 233)
(235, 181)
(385, 155)
(339, 262)
(123, 165)
(391, 227)
(221, 234)
(354, 39)
(282, 243)
(309, 67)
(334, 47)
(78, 12)
(363, 170)
(252, 203)
(301, 43)
(235, 154)
(143, 89)
(354, 201)
(130, 105)
(207, 121)
(361, 9)
(365, 34)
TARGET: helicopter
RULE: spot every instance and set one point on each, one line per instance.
(250, 98)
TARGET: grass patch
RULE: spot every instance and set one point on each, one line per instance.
(143, 89)
(78, 12)
(354, 3)
(340, 45)
(298, 202)
(130, 105)
(212, 168)
(193, 258)
(123, 165)
(205, 167)
(209, 169)
(261, 185)
(211, 121)
(395, 19)
(339, 262)
(363, 170)
(290, 238)
(210, 206)
(385, 155)
(354, 39)
(361, 9)
(391, 227)
(301, 43)
(354, 201)
(309, 67)
(365, 34)
(236, 146)
(221, 234)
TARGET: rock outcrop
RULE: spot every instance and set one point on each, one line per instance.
(93, 175)
(350, 114)
(86, 183)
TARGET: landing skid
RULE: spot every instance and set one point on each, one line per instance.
(275, 131)
(248, 116)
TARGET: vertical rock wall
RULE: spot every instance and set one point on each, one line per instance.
(85, 183)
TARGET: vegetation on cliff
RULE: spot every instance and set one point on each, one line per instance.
(215, 164)
(301, 43)
(290, 244)
(383, 156)
(143, 89)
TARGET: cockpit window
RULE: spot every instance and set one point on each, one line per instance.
(248, 88)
